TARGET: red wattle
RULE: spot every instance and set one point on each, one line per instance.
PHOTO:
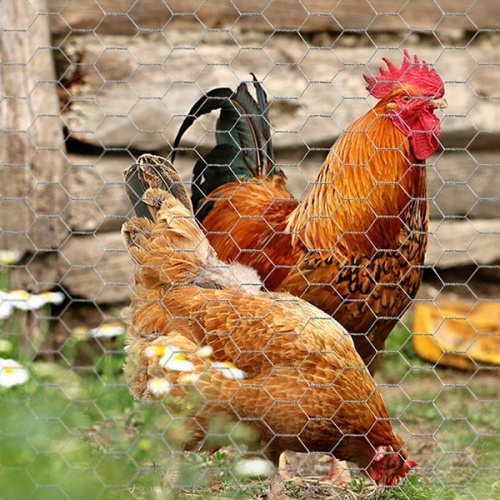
(423, 134)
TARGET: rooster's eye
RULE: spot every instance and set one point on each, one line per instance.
(405, 98)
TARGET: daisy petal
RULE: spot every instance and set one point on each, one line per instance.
(10, 257)
(107, 330)
(229, 370)
(25, 301)
(6, 307)
(174, 359)
(56, 298)
(205, 352)
(159, 386)
(253, 467)
(154, 351)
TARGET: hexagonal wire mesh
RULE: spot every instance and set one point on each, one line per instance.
(214, 363)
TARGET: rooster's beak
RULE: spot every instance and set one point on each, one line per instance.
(440, 103)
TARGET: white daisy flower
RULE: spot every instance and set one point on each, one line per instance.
(56, 298)
(25, 301)
(154, 351)
(229, 370)
(188, 378)
(107, 330)
(12, 373)
(253, 467)
(10, 257)
(159, 386)
(174, 359)
(205, 352)
(6, 307)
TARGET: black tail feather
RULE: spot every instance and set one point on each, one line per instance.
(264, 107)
(244, 147)
(213, 170)
(215, 99)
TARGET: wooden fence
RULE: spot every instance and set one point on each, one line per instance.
(88, 87)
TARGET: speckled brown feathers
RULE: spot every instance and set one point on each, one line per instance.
(354, 245)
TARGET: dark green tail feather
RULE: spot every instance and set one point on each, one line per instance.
(215, 99)
(244, 148)
(222, 165)
(264, 107)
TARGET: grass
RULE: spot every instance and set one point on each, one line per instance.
(78, 433)
(453, 419)
(75, 432)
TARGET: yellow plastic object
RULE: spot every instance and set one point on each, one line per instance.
(459, 335)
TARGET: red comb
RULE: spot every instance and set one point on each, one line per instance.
(414, 74)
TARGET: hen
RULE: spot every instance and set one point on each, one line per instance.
(299, 381)
(354, 245)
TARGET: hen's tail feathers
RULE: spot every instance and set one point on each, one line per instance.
(243, 148)
(164, 238)
(156, 172)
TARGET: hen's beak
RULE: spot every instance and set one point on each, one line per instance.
(440, 103)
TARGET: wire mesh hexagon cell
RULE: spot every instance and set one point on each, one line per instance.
(317, 313)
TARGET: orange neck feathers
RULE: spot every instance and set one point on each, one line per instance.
(361, 197)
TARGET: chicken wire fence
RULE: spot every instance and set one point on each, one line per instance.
(87, 88)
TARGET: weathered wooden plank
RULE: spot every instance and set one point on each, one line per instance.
(98, 268)
(133, 93)
(460, 184)
(98, 198)
(455, 243)
(31, 138)
(101, 269)
(464, 183)
(128, 17)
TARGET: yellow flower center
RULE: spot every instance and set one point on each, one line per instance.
(144, 444)
(160, 351)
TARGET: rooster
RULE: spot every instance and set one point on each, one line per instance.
(289, 370)
(354, 246)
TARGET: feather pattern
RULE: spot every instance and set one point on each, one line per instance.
(152, 171)
(355, 243)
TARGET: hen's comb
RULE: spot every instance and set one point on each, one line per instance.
(412, 73)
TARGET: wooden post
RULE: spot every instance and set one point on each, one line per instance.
(32, 160)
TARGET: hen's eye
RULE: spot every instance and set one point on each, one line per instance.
(405, 98)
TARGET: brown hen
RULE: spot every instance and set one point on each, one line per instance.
(278, 363)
